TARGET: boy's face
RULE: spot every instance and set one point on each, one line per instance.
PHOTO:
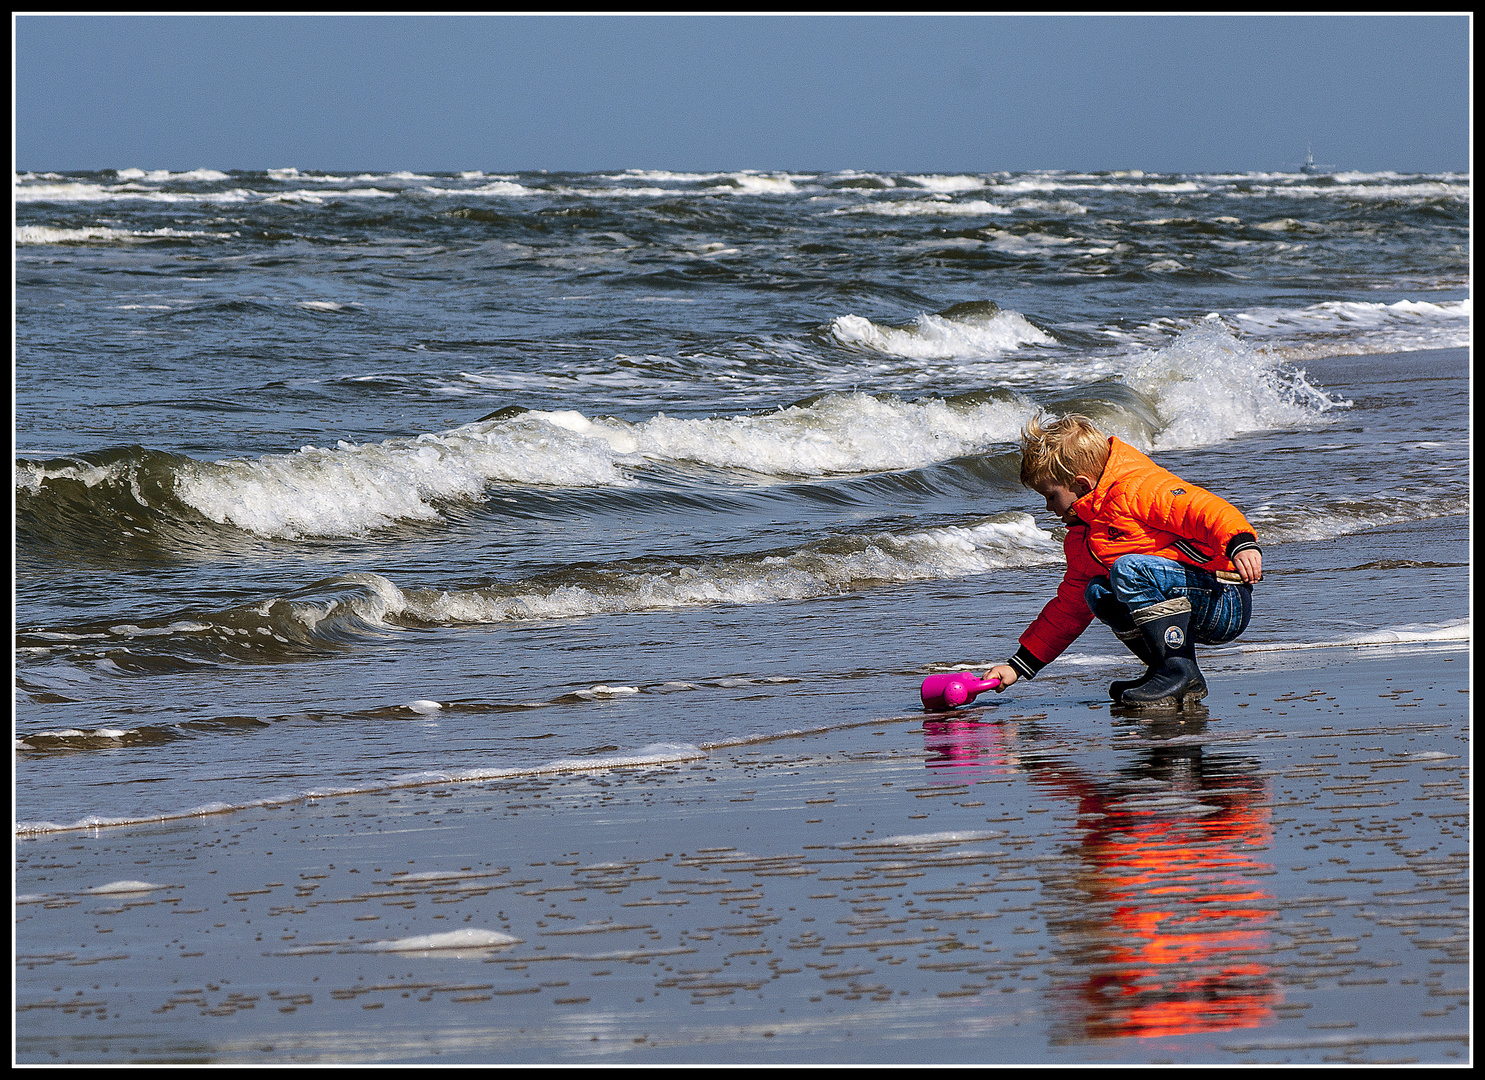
(1060, 500)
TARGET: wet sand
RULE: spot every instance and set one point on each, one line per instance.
(1284, 880)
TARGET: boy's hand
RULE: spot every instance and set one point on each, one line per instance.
(1249, 565)
(1005, 673)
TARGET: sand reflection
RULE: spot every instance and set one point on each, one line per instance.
(1157, 921)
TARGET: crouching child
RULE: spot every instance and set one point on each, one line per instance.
(1164, 563)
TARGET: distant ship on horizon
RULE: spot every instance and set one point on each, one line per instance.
(1309, 168)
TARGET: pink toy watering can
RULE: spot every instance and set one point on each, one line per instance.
(951, 689)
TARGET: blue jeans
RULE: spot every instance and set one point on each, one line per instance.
(1219, 611)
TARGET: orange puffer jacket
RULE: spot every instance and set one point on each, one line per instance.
(1138, 508)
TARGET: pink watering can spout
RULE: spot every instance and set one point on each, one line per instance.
(951, 689)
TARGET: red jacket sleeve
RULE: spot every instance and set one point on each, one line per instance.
(1067, 614)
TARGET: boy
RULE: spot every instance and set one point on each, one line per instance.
(1164, 563)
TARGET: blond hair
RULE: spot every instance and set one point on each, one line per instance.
(1056, 451)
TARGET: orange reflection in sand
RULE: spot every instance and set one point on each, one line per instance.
(1156, 920)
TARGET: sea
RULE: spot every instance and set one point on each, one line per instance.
(337, 483)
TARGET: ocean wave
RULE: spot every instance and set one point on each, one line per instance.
(292, 174)
(942, 182)
(1209, 386)
(354, 489)
(835, 434)
(967, 330)
(745, 182)
(1204, 387)
(494, 187)
(135, 190)
(1441, 633)
(77, 191)
(1325, 519)
(1037, 245)
(319, 197)
(1345, 327)
(757, 183)
(1413, 190)
(926, 208)
(840, 564)
(163, 175)
(348, 608)
(663, 174)
(309, 621)
(44, 234)
(658, 754)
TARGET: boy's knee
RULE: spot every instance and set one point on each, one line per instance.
(1134, 563)
(1125, 572)
(1137, 570)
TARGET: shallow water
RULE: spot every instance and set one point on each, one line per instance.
(1280, 880)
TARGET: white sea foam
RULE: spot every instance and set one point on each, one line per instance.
(1327, 519)
(31, 476)
(753, 183)
(839, 434)
(494, 187)
(112, 734)
(1450, 632)
(926, 208)
(1209, 386)
(664, 174)
(1348, 327)
(746, 182)
(938, 182)
(161, 175)
(45, 234)
(1416, 189)
(83, 192)
(935, 839)
(1035, 244)
(328, 305)
(1054, 183)
(319, 197)
(125, 887)
(437, 875)
(937, 336)
(843, 564)
(655, 754)
(451, 941)
(604, 691)
(294, 175)
(77, 191)
(355, 488)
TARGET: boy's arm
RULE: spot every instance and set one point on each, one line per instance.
(1060, 623)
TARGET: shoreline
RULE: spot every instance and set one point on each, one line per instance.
(664, 753)
(1032, 880)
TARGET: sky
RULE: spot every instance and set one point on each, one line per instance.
(719, 93)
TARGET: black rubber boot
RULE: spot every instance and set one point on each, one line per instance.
(1116, 616)
(1165, 628)
(1134, 641)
